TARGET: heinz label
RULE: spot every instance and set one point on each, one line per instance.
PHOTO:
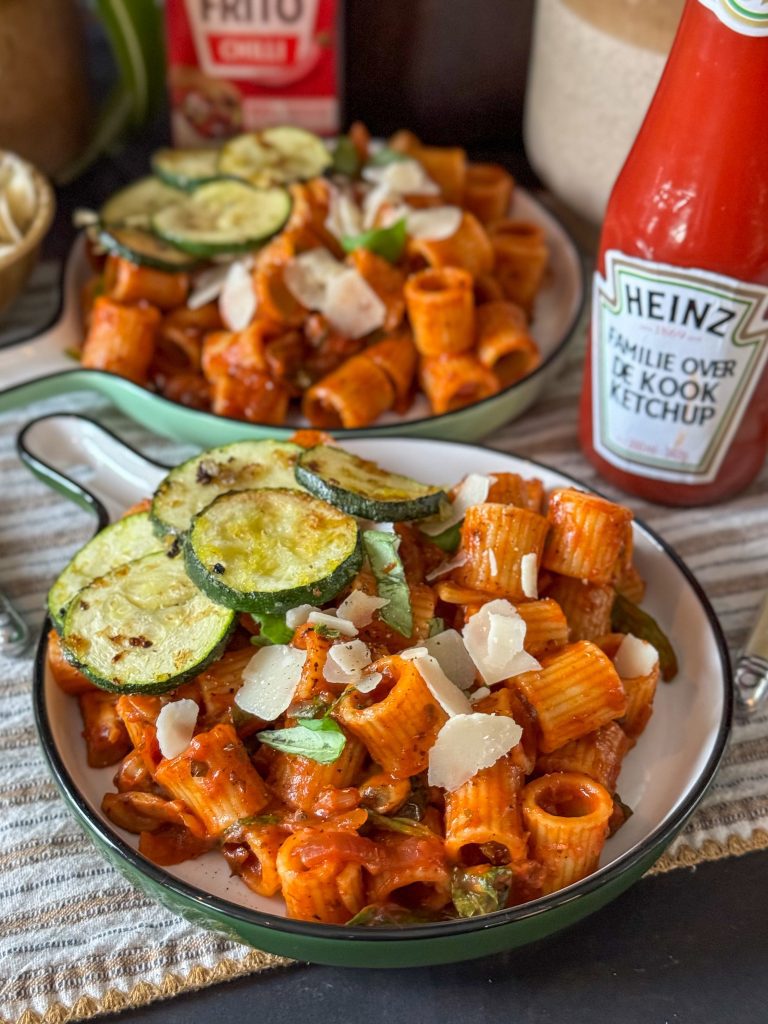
(750, 17)
(676, 356)
(241, 65)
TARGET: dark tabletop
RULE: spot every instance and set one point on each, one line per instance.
(688, 947)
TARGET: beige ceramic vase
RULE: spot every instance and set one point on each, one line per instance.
(594, 67)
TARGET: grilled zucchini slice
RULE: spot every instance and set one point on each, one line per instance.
(271, 550)
(242, 466)
(143, 247)
(136, 204)
(186, 168)
(122, 542)
(223, 217)
(363, 489)
(144, 627)
(275, 156)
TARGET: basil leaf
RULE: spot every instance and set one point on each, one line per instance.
(327, 632)
(386, 565)
(313, 707)
(390, 915)
(385, 156)
(272, 629)
(475, 893)
(319, 739)
(405, 826)
(435, 626)
(386, 242)
(621, 814)
(321, 725)
(233, 832)
(626, 617)
(346, 159)
(449, 539)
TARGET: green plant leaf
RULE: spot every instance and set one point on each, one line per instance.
(436, 625)
(476, 892)
(272, 629)
(405, 826)
(626, 617)
(449, 539)
(390, 915)
(385, 242)
(387, 567)
(385, 156)
(319, 739)
(346, 159)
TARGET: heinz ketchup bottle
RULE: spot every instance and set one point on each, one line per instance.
(675, 399)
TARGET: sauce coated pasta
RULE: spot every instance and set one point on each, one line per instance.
(395, 271)
(406, 704)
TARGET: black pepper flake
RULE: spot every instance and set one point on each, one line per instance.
(139, 641)
(175, 548)
(206, 472)
(218, 568)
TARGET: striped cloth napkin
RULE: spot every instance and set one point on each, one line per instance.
(76, 939)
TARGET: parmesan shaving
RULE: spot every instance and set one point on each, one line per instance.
(468, 743)
(344, 215)
(473, 490)
(447, 648)
(493, 565)
(308, 275)
(207, 287)
(359, 608)
(635, 657)
(402, 177)
(448, 565)
(529, 575)
(352, 656)
(494, 638)
(298, 616)
(450, 698)
(434, 223)
(369, 682)
(391, 182)
(351, 306)
(237, 302)
(175, 726)
(412, 653)
(479, 694)
(270, 680)
(344, 626)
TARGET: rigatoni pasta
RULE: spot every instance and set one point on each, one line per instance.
(412, 242)
(396, 739)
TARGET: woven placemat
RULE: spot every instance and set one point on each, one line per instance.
(76, 939)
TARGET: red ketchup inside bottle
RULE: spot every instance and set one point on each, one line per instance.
(678, 410)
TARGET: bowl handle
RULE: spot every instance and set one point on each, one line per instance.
(88, 464)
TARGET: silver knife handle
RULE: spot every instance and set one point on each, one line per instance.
(751, 675)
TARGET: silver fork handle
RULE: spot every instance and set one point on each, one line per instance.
(751, 675)
(14, 632)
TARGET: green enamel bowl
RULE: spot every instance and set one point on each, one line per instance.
(662, 779)
(42, 368)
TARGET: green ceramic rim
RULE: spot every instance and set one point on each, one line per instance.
(340, 944)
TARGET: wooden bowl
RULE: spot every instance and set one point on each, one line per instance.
(18, 264)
